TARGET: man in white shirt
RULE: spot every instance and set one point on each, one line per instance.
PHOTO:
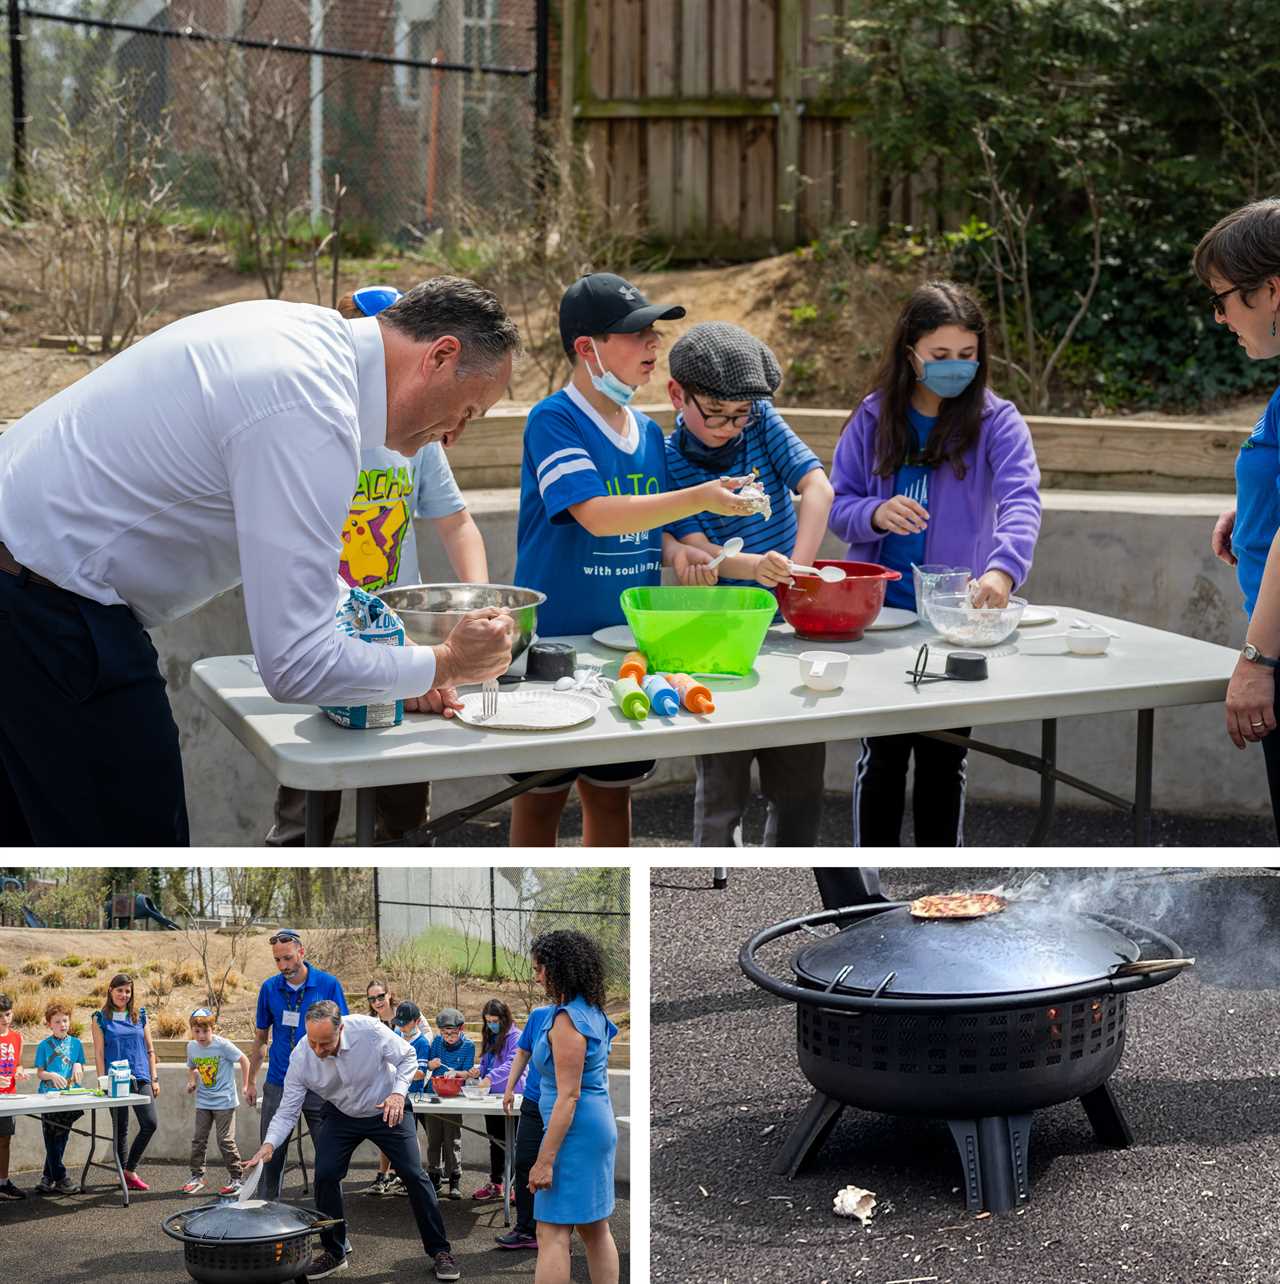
(222, 449)
(362, 1071)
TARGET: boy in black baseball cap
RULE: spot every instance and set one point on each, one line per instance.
(722, 384)
(594, 507)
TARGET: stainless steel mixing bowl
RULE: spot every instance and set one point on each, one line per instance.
(430, 611)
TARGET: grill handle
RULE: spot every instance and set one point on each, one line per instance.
(1107, 984)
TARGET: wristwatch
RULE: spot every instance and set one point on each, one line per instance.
(1251, 652)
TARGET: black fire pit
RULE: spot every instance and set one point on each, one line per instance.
(976, 1021)
(263, 1242)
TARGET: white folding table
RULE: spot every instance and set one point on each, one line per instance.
(1145, 669)
(45, 1104)
(426, 1103)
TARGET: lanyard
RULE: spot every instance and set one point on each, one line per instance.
(289, 993)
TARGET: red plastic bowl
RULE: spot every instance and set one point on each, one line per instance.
(450, 1087)
(835, 612)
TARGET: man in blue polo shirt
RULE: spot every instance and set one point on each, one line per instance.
(282, 1001)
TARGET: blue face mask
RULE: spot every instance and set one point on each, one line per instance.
(495, 1026)
(608, 383)
(947, 378)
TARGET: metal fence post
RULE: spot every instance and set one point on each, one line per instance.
(493, 926)
(19, 181)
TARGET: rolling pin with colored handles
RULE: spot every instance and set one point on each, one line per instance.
(633, 702)
(634, 665)
(693, 695)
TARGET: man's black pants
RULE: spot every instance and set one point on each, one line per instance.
(339, 1136)
(88, 745)
(528, 1139)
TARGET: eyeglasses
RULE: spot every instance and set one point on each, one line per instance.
(1216, 301)
(723, 421)
(283, 936)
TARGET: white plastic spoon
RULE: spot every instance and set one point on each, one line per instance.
(827, 574)
(732, 547)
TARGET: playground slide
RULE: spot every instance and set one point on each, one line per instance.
(32, 919)
(145, 907)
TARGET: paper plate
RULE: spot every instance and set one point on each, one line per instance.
(535, 709)
(893, 617)
(617, 637)
(1037, 615)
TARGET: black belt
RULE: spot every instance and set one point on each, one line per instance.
(11, 566)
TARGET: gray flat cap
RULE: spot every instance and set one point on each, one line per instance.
(726, 361)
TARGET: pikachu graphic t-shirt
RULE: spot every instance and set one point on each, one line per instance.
(378, 545)
(215, 1068)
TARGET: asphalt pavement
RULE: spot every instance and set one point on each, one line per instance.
(91, 1239)
(1191, 1202)
(664, 818)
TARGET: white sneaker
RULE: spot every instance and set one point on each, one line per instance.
(195, 1185)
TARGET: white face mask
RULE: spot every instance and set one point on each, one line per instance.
(608, 383)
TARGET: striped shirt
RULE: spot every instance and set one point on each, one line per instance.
(782, 460)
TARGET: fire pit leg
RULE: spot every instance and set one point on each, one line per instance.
(993, 1152)
(807, 1136)
(1109, 1124)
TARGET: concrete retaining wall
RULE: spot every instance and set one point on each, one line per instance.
(1143, 557)
(175, 1112)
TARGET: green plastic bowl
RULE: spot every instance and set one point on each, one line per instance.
(699, 630)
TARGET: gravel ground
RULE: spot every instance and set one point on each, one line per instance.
(90, 1239)
(1192, 1202)
(664, 818)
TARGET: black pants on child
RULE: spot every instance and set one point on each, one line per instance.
(146, 1116)
(528, 1139)
(496, 1127)
(937, 796)
(57, 1131)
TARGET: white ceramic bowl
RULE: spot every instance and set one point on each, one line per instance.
(823, 670)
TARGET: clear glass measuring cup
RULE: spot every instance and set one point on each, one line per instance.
(932, 578)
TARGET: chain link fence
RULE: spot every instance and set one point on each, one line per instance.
(498, 912)
(417, 105)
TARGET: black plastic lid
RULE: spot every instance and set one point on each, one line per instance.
(257, 1220)
(1028, 946)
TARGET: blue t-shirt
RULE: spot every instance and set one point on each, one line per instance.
(533, 1027)
(215, 1068)
(421, 1046)
(462, 1056)
(571, 455)
(782, 459)
(897, 552)
(1257, 502)
(58, 1056)
(277, 1000)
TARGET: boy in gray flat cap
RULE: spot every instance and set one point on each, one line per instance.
(722, 383)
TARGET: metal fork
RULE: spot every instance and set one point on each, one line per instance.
(489, 692)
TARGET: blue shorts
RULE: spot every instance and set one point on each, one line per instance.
(613, 775)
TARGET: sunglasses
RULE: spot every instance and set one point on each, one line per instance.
(377, 998)
(280, 938)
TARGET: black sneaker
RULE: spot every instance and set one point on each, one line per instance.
(379, 1186)
(326, 1263)
(43, 1187)
(455, 1188)
(516, 1239)
(437, 1181)
(396, 1187)
(67, 1187)
(447, 1267)
(10, 1192)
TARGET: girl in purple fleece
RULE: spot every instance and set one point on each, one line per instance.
(498, 1044)
(932, 467)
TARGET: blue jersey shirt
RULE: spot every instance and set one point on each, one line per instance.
(462, 1056)
(899, 551)
(421, 1046)
(780, 457)
(571, 455)
(1257, 502)
(533, 1027)
(276, 1000)
(58, 1056)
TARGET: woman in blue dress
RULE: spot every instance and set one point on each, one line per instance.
(572, 1178)
(121, 1033)
(1238, 260)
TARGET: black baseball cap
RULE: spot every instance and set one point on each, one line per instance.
(603, 303)
(407, 1013)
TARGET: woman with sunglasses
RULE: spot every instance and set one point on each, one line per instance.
(932, 467)
(1238, 260)
(121, 1033)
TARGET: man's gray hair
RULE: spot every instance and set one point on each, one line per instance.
(325, 1010)
(453, 305)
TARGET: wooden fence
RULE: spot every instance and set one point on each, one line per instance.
(711, 118)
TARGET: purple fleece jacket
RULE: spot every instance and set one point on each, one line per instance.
(497, 1069)
(987, 521)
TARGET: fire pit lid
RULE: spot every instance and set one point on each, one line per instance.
(1030, 945)
(259, 1219)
